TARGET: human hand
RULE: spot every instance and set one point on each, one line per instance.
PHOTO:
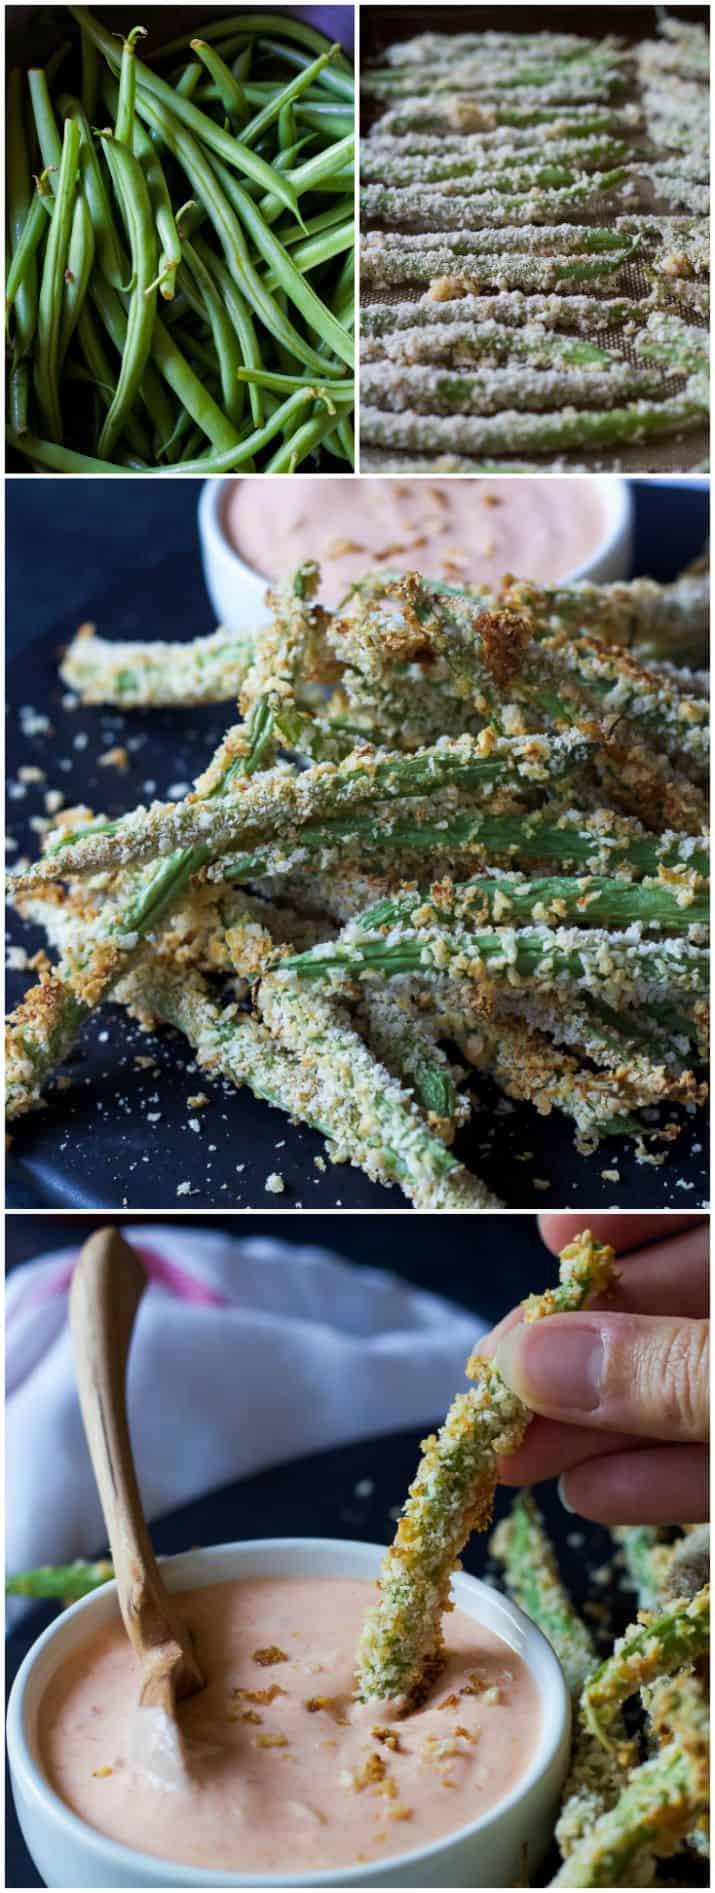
(621, 1388)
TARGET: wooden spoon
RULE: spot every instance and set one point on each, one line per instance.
(107, 1287)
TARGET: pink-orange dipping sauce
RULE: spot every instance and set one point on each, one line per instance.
(288, 1773)
(467, 531)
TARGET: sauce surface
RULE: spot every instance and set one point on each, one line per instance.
(474, 530)
(288, 1773)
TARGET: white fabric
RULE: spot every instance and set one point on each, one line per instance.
(304, 1351)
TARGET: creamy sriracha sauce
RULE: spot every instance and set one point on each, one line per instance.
(288, 1773)
(470, 531)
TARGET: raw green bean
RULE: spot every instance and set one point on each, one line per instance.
(249, 24)
(330, 80)
(23, 258)
(80, 259)
(232, 150)
(318, 318)
(230, 91)
(124, 126)
(205, 181)
(48, 136)
(242, 320)
(109, 256)
(49, 312)
(166, 226)
(33, 230)
(288, 96)
(130, 186)
(225, 341)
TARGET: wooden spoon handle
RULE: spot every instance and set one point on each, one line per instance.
(107, 1287)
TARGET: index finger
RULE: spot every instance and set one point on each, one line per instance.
(626, 1231)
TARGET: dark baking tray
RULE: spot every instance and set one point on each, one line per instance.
(93, 1146)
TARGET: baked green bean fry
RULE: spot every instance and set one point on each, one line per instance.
(532, 1576)
(130, 186)
(49, 310)
(434, 390)
(150, 86)
(591, 899)
(367, 1110)
(80, 259)
(509, 309)
(523, 765)
(461, 343)
(400, 1040)
(65, 1582)
(612, 965)
(124, 124)
(670, 1641)
(401, 1645)
(603, 843)
(646, 1557)
(658, 1804)
(512, 430)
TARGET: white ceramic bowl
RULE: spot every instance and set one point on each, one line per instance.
(493, 1851)
(237, 591)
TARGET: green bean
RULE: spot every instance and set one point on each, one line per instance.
(112, 314)
(80, 259)
(314, 174)
(48, 136)
(57, 459)
(124, 127)
(286, 127)
(340, 82)
(166, 228)
(107, 246)
(130, 186)
(206, 182)
(232, 150)
(284, 384)
(231, 93)
(225, 341)
(33, 231)
(47, 358)
(89, 85)
(304, 441)
(23, 257)
(242, 320)
(103, 378)
(289, 94)
(190, 78)
(304, 298)
(247, 24)
(318, 249)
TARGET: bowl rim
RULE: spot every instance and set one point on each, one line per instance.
(182, 1565)
(615, 490)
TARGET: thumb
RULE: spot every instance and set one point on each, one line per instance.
(638, 1374)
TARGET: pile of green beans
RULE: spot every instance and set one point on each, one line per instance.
(180, 275)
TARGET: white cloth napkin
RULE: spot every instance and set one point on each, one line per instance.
(246, 1353)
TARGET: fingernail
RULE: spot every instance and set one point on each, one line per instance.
(562, 1495)
(551, 1369)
